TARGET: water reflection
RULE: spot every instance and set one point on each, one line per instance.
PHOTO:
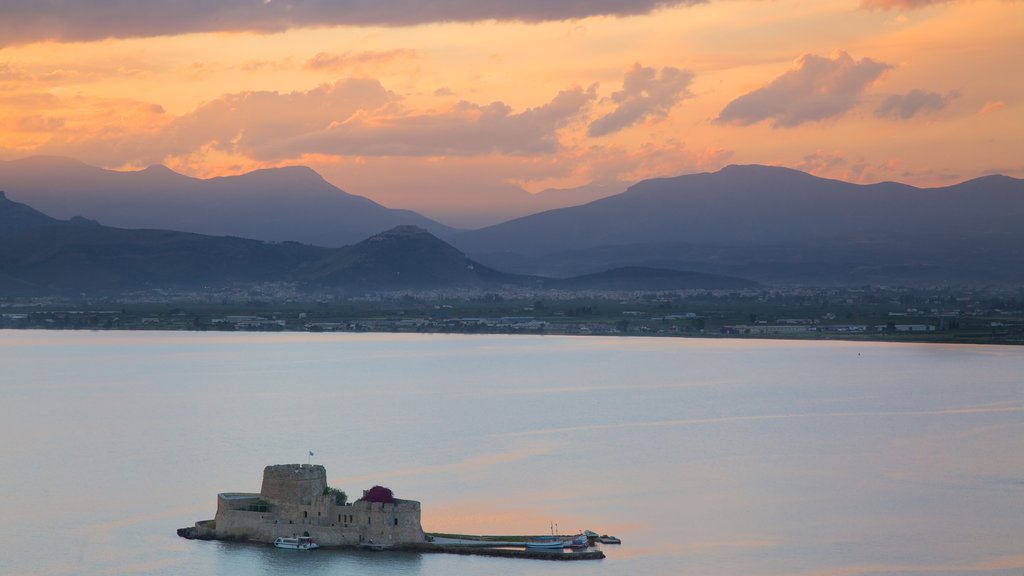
(243, 558)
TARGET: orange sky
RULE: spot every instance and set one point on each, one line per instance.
(470, 103)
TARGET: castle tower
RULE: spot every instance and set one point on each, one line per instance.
(291, 485)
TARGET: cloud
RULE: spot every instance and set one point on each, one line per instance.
(990, 107)
(23, 21)
(324, 61)
(899, 4)
(350, 117)
(465, 129)
(644, 95)
(259, 123)
(816, 88)
(834, 164)
(906, 106)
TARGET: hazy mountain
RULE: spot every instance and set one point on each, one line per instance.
(776, 224)
(43, 255)
(469, 206)
(277, 204)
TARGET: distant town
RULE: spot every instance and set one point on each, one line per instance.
(867, 313)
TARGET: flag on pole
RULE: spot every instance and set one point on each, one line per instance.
(310, 452)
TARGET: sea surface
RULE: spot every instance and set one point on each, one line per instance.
(707, 457)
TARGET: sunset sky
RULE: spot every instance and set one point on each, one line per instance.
(442, 106)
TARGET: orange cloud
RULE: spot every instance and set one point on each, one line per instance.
(325, 61)
(991, 106)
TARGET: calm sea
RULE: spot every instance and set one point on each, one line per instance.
(707, 457)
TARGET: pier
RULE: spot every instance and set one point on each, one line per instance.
(489, 550)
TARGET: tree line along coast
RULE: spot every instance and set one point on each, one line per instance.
(868, 313)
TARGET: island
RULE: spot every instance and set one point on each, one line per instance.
(295, 503)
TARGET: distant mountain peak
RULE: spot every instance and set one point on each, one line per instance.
(406, 230)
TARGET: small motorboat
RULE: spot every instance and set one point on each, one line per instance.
(375, 546)
(606, 539)
(579, 542)
(296, 543)
(545, 543)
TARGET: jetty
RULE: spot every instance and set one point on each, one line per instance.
(503, 552)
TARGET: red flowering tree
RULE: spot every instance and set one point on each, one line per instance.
(379, 494)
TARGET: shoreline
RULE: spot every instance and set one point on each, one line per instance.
(878, 338)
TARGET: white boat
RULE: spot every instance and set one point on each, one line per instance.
(579, 542)
(375, 546)
(296, 543)
(545, 543)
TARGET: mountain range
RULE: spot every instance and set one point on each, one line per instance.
(761, 223)
(278, 204)
(40, 255)
(778, 225)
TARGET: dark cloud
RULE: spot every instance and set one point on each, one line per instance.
(644, 95)
(24, 21)
(905, 106)
(818, 88)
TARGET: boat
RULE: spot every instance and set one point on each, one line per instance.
(579, 542)
(591, 536)
(606, 539)
(296, 543)
(545, 543)
(375, 546)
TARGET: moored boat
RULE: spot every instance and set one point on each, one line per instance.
(545, 543)
(579, 542)
(296, 543)
(606, 539)
(375, 546)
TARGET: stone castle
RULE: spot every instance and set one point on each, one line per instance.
(293, 502)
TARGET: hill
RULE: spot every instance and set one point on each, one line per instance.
(778, 225)
(403, 258)
(40, 255)
(281, 204)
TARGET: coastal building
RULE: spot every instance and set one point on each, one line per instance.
(294, 500)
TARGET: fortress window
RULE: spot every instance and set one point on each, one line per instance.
(305, 514)
(339, 517)
(396, 521)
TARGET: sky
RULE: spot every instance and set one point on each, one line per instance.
(459, 107)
